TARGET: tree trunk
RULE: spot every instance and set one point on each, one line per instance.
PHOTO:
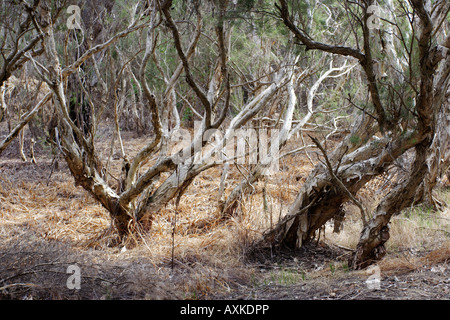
(371, 244)
(286, 131)
(438, 160)
(320, 200)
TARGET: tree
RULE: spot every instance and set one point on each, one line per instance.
(407, 92)
(140, 193)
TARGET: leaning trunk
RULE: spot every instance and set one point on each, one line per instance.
(318, 201)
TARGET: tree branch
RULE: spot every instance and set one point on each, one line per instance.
(365, 59)
(339, 182)
(187, 69)
(24, 121)
(311, 44)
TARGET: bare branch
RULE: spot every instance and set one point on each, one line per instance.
(338, 181)
(189, 77)
(311, 44)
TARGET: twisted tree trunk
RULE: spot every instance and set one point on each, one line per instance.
(318, 199)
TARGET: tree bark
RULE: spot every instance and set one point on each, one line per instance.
(371, 244)
(318, 201)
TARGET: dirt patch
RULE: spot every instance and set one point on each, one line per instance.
(33, 268)
(426, 284)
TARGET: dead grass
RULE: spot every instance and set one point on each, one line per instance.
(407, 261)
(57, 211)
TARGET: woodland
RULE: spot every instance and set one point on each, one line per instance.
(225, 149)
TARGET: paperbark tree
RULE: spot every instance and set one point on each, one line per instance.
(414, 93)
(141, 193)
(17, 25)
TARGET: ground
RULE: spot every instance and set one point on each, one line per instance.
(48, 224)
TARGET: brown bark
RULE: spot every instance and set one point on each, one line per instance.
(136, 195)
(438, 161)
(318, 200)
(371, 245)
(79, 152)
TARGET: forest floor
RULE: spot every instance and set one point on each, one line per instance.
(48, 224)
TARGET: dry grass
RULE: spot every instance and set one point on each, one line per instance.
(207, 255)
(57, 211)
(418, 228)
(407, 262)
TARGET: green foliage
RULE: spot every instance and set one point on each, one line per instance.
(332, 268)
(285, 277)
(187, 114)
(345, 267)
(354, 139)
